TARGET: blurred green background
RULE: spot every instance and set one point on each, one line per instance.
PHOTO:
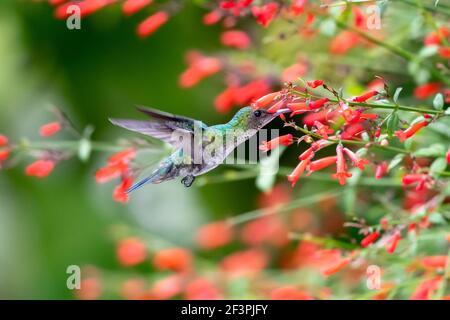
(100, 71)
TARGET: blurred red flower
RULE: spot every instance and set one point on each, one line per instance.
(175, 259)
(244, 263)
(40, 168)
(427, 90)
(50, 129)
(199, 68)
(235, 38)
(343, 42)
(131, 251)
(265, 13)
(289, 293)
(202, 289)
(152, 23)
(167, 287)
(132, 6)
(214, 235)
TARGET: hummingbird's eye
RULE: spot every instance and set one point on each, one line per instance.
(257, 113)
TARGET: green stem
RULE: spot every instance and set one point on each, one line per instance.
(372, 105)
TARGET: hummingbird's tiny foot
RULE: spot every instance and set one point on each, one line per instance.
(188, 181)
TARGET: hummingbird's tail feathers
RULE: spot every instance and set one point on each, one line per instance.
(138, 185)
(162, 173)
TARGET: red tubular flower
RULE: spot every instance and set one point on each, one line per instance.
(132, 6)
(357, 162)
(366, 96)
(235, 38)
(314, 83)
(412, 130)
(279, 105)
(244, 263)
(214, 235)
(270, 229)
(420, 178)
(265, 14)
(323, 116)
(175, 259)
(50, 129)
(368, 116)
(56, 2)
(119, 193)
(4, 154)
(212, 17)
(265, 100)
(447, 156)
(200, 67)
(427, 90)
(435, 38)
(202, 289)
(131, 251)
(285, 140)
(226, 100)
(297, 7)
(318, 103)
(381, 170)
(298, 171)
(322, 163)
(252, 90)
(315, 146)
(444, 52)
(434, 262)
(298, 108)
(393, 241)
(323, 130)
(3, 140)
(336, 267)
(293, 72)
(426, 289)
(352, 131)
(124, 156)
(110, 172)
(341, 173)
(369, 239)
(40, 168)
(87, 7)
(167, 287)
(289, 293)
(152, 23)
(343, 42)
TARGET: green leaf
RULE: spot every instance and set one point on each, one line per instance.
(397, 94)
(436, 218)
(396, 161)
(438, 101)
(392, 123)
(438, 165)
(435, 150)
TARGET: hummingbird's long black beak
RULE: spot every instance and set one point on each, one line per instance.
(281, 111)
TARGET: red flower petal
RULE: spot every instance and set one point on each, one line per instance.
(40, 168)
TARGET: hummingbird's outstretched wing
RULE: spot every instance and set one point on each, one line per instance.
(164, 126)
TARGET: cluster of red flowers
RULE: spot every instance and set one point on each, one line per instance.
(129, 7)
(45, 164)
(118, 165)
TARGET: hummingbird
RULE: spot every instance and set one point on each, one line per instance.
(198, 148)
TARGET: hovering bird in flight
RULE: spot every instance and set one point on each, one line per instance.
(198, 148)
